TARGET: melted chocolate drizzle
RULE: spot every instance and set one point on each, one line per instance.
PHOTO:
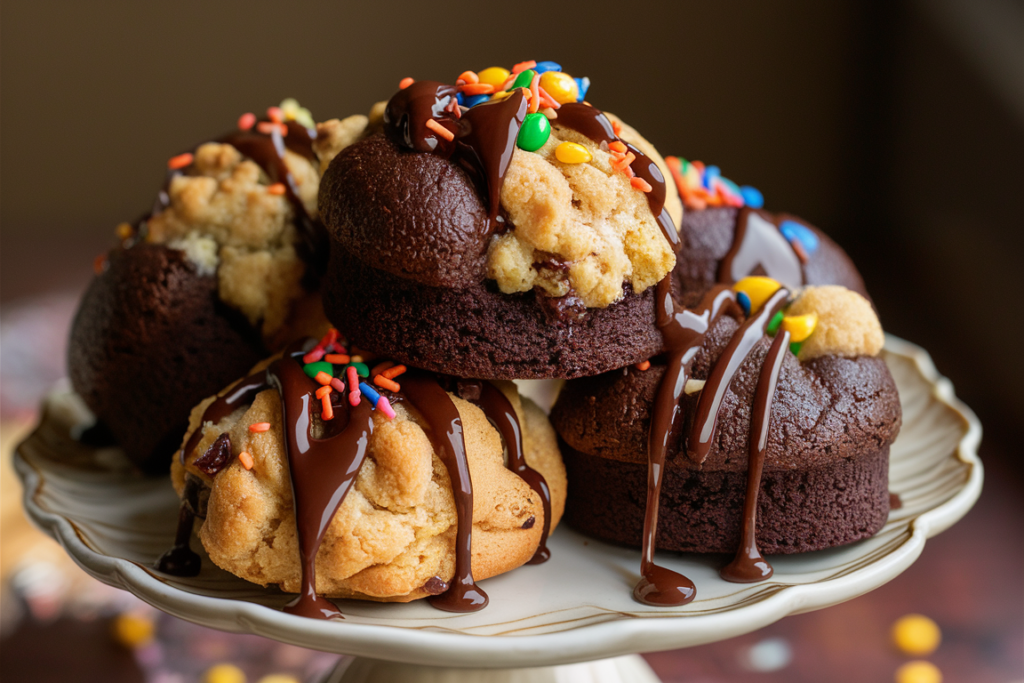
(758, 248)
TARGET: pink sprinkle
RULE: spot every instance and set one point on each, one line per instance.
(353, 386)
(314, 355)
(384, 406)
(246, 121)
(275, 114)
(338, 385)
(353, 397)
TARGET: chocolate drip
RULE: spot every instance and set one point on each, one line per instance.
(706, 418)
(759, 248)
(181, 560)
(749, 565)
(895, 502)
(500, 411)
(484, 136)
(241, 393)
(437, 408)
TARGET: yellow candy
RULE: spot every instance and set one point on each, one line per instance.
(758, 288)
(571, 153)
(279, 678)
(224, 673)
(915, 634)
(495, 76)
(498, 96)
(133, 630)
(918, 672)
(562, 87)
(693, 177)
(800, 327)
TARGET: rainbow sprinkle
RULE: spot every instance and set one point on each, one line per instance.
(319, 364)
(701, 186)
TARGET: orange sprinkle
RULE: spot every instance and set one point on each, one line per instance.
(406, 82)
(268, 127)
(618, 146)
(440, 130)
(384, 382)
(180, 161)
(246, 121)
(259, 427)
(523, 66)
(246, 460)
(99, 264)
(617, 127)
(643, 366)
(323, 391)
(275, 114)
(477, 89)
(394, 372)
(535, 94)
(339, 358)
(328, 413)
(641, 184)
(547, 100)
(276, 188)
(381, 367)
(469, 77)
(323, 378)
(508, 81)
(124, 231)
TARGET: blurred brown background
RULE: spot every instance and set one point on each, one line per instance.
(898, 127)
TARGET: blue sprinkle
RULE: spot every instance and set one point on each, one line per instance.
(743, 299)
(473, 100)
(461, 99)
(547, 66)
(731, 186)
(711, 173)
(752, 197)
(369, 393)
(584, 86)
(792, 230)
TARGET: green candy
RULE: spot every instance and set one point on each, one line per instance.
(773, 326)
(312, 369)
(362, 369)
(535, 131)
(795, 347)
(524, 79)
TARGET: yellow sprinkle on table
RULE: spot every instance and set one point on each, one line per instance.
(224, 673)
(134, 630)
(918, 672)
(916, 634)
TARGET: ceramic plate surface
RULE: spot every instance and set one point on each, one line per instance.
(575, 607)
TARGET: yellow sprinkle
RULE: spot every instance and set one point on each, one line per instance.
(124, 231)
(561, 86)
(572, 153)
(915, 634)
(133, 630)
(494, 75)
(224, 673)
(800, 327)
(918, 672)
(758, 288)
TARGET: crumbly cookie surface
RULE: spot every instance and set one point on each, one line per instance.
(396, 529)
(847, 325)
(579, 228)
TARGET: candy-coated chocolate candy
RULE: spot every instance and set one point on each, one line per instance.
(572, 153)
(224, 673)
(524, 79)
(534, 133)
(758, 288)
(311, 369)
(362, 369)
(743, 299)
(134, 630)
(473, 100)
(800, 327)
(500, 95)
(918, 672)
(794, 348)
(915, 634)
(582, 85)
(278, 678)
(562, 87)
(544, 67)
(752, 197)
(794, 231)
(693, 176)
(774, 324)
(711, 174)
(495, 76)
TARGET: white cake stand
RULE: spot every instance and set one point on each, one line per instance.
(570, 619)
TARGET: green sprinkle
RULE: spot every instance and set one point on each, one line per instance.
(320, 366)
(535, 131)
(773, 326)
(362, 369)
(524, 79)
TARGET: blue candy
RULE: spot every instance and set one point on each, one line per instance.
(472, 100)
(369, 393)
(752, 197)
(743, 299)
(792, 230)
(710, 174)
(584, 85)
(547, 66)
(461, 99)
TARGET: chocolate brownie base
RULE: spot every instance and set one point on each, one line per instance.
(150, 340)
(477, 331)
(799, 510)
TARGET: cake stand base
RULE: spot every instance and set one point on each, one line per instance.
(630, 668)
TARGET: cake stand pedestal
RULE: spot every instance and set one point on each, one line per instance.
(573, 617)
